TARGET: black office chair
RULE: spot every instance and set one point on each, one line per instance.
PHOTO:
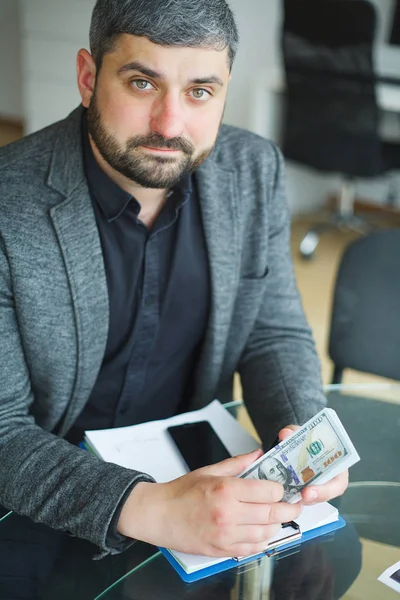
(332, 118)
(365, 325)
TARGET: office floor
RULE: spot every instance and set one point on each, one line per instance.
(9, 132)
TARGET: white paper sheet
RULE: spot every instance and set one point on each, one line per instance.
(148, 447)
(391, 577)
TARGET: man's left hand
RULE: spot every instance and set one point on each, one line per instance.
(320, 493)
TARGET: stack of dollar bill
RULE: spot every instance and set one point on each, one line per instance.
(314, 454)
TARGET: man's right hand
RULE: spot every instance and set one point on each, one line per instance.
(209, 511)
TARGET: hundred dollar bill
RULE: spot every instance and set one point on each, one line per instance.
(313, 454)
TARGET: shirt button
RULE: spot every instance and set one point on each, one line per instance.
(149, 301)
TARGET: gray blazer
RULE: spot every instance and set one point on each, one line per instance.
(54, 317)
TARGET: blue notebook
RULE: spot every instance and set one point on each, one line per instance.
(191, 568)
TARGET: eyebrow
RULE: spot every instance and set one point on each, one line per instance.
(137, 66)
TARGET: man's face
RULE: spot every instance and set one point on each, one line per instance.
(156, 111)
(272, 470)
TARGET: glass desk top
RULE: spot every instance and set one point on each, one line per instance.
(39, 564)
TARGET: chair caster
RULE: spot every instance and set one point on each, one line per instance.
(309, 245)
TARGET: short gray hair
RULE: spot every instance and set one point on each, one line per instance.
(186, 23)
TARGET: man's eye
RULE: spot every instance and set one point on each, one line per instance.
(141, 84)
(200, 94)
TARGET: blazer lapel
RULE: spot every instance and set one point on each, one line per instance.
(218, 201)
(75, 225)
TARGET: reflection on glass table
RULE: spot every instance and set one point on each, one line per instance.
(345, 564)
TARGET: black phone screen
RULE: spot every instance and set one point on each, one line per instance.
(198, 444)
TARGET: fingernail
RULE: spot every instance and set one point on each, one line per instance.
(312, 495)
(286, 432)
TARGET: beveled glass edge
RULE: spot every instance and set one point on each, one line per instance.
(233, 404)
(333, 387)
(375, 484)
(4, 517)
(121, 579)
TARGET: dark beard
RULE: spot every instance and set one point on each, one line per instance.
(157, 172)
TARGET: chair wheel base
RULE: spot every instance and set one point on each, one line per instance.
(309, 245)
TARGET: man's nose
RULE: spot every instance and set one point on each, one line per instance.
(167, 117)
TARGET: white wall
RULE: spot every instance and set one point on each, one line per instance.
(10, 61)
(52, 33)
(259, 24)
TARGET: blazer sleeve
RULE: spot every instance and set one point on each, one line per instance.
(43, 476)
(279, 368)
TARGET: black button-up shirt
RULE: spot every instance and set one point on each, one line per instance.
(159, 296)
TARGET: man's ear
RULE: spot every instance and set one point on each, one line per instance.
(86, 73)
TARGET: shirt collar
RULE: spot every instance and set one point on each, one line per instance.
(112, 199)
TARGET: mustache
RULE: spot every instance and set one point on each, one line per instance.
(156, 140)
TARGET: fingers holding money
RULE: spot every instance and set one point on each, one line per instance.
(287, 431)
(323, 493)
(256, 491)
(264, 514)
(305, 456)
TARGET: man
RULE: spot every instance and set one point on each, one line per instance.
(142, 262)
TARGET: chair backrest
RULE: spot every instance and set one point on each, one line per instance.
(395, 37)
(331, 23)
(365, 325)
(332, 116)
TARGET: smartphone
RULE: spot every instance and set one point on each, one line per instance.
(198, 444)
